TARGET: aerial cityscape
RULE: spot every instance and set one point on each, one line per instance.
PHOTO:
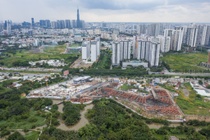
(104, 70)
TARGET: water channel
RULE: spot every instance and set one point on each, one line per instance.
(82, 122)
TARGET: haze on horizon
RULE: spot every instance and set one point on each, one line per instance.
(107, 10)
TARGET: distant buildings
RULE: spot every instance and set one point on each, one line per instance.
(8, 26)
(32, 22)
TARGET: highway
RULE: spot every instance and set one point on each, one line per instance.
(186, 74)
(180, 74)
(22, 69)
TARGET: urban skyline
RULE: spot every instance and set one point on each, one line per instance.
(108, 11)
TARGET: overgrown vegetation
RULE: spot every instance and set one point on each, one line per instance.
(55, 49)
(110, 120)
(104, 61)
(22, 57)
(194, 104)
(185, 62)
(71, 113)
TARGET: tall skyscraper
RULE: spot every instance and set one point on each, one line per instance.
(8, 26)
(78, 19)
(32, 22)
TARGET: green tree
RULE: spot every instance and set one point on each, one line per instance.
(16, 136)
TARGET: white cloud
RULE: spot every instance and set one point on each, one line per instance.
(109, 10)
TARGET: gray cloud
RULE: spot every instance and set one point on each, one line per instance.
(189, 2)
(121, 5)
(107, 10)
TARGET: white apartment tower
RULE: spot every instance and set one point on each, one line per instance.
(94, 54)
(98, 43)
(116, 53)
(177, 38)
(149, 51)
(86, 50)
(125, 50)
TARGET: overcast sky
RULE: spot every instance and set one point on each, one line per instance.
(107, 10)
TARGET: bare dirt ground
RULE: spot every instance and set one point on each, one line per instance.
(80, 64)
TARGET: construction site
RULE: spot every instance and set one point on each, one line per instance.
(158, 102)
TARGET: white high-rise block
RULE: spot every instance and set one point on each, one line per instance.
(116, 53)
(98, 43)
(93, 51)
(86, 51)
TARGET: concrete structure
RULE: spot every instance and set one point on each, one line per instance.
(83, 79)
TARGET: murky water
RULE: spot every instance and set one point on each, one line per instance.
(60, 107)
(83, 121)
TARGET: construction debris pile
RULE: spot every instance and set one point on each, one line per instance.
(158, 101)
(161, 103)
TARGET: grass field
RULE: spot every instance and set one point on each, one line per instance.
(127, 87)
(22, 56)
(185, 62)
(75, 45)
(34, 135)
(104, 61)
(55, 49)
(194, 104)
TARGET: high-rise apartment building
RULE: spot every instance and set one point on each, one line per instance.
(116, 53)
(86, 50)
(149, 51)
(98, 44)
(190, 36)
(93, 51)
(176, 40)
(125, 50)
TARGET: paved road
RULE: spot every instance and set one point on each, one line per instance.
(22, 69)
(186, 74)
(181, 74)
